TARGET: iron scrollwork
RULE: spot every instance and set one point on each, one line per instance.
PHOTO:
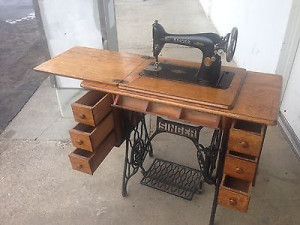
(207, 157)
(138, 142)
(138, 145)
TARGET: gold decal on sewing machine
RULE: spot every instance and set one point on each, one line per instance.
(178, 40)
(198, 43)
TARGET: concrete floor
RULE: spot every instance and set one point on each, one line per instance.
(38, 185)
(21, 48)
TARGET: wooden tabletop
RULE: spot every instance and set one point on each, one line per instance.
(257, 99)
(103, 66)
(192, 93)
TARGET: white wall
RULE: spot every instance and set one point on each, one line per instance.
(69, 23)
(261, 24)
(289, 66)
(206, 4)
(290, 106)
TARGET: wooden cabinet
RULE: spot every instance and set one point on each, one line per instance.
(240, 165)
(241, 162)
(167, 110)
(234, 193)
(92, 107)
(252, 97)
(99, 130)
(88, 162)
(88, 137)
(246, 137)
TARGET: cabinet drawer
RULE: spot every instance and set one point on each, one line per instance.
(234, 193)
(88, 162)
(91, 108)
(87, 137)
(170, 111)
(240, 166)
(246, 137)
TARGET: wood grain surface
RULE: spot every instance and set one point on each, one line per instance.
(222, 98)
(258, 100)
(245, 142)
(234, 193)
(92, 64)
(172, 112)
(89, 140)
(233, 200)
(91, 108)
(88, 162)
(240, 168)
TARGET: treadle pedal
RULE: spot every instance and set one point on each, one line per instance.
(175, 179)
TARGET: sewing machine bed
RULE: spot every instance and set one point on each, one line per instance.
(123, 70)
(114, 72)
(186, 74)
(193, 93)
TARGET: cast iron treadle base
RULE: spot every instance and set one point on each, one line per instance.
(173, 178)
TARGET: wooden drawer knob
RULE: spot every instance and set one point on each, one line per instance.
(82, 116)
(239, 170)
(80, 142)
(232, 201)
(244, 144)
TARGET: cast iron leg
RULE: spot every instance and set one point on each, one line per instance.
(219, 176)
(125, 178)
(138, 145)
(148, 144)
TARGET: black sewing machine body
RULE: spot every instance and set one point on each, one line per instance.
(212, 46)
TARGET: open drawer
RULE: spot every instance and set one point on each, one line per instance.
(246, 137)
(91, 108)
(88, 137)
(240, 165)
(234, 193)
(88, 162)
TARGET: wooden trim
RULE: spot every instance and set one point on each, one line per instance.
(233, 114)
(170, 111)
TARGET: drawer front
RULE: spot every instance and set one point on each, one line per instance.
(83, 114)
(81, 139)
(80, 161)
(92, 114)
(90, 140)
(88, 162)
(233, 200)
(245, 142)
(239, 168)
(170, 111)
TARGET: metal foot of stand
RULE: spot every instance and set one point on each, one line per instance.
(173, 178)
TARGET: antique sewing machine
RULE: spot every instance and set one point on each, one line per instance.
(212, 46)
(124, 88)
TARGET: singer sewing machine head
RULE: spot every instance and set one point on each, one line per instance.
(212, 46)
